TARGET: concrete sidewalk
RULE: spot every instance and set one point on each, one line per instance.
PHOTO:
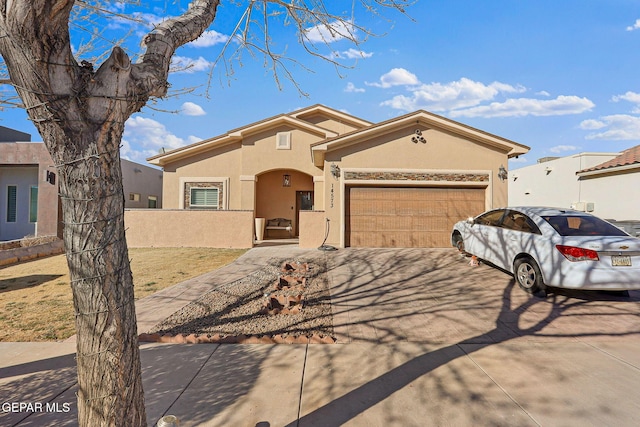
(423, 339)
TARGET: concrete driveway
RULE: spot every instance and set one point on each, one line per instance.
(424, 339)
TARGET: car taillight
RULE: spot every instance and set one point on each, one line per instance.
(573, 253)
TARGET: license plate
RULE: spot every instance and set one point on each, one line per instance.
(621, 261)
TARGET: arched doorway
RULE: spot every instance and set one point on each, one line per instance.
(283, 193)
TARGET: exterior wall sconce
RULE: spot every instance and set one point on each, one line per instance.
(335, 171)
(548, 170)
(418, 137)
(515, 177)
(286, 180)
(51, 178)
(502, 173)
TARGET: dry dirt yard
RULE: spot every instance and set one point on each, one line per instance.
(286, 298)
(36, 303)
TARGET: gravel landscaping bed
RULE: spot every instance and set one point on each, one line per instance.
(242, 308)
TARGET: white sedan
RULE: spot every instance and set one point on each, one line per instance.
(552, 247)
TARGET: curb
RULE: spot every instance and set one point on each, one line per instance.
(238, 339)
(14, 256)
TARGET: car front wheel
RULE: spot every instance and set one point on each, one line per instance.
(528, 276)
(458, 242)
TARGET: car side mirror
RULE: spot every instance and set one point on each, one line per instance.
(471, 221)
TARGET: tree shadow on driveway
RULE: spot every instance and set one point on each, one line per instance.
(452, 322)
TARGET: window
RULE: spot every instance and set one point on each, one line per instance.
(152, 202)
(12, 205)
(519, 222)
(579, 225)
(490, 218)
(134, 197)
(204, 198)
(33, 204)
(283, 141)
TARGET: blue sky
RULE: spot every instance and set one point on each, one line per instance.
(561, 77)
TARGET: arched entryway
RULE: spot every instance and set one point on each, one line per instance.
(283, 193)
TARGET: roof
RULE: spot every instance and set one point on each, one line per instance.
(628, 159)
(333, 140)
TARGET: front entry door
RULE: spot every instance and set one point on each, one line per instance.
(304, 202)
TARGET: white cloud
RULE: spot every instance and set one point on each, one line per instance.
(134, 20)
(144, 137)
(332, 32)
(192, 109)
(519, 159)
(351, 88)
(629, 96)
(617, 127)
(592, 124)
(562, 148)
(635, 26)
(208, 39)
(183, 64)
(463, 93)
(352, 54)
(396, 77)
(520, 107)
(632, 97)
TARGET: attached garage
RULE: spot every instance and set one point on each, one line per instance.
(407, 217)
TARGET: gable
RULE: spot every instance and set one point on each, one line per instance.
(423, 122)
(243, 135)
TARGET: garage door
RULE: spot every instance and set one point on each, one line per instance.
(407, 217)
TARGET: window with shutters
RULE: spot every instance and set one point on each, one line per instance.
(33, 204)
(12, 203)
(204, 198)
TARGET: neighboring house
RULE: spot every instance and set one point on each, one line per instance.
(605, 184)
(29, 202)
(142, 186)
(398, 183)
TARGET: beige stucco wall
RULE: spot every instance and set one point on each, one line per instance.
(189, 228)
(312, 229)
(242, 163)
(396, 152)
(219, 162)
(259, 152)
(340, 127)
(275, 201)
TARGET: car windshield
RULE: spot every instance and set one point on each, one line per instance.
(580, 225)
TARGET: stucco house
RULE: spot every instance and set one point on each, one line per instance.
(605, 184)
(29, 202)
(398, 183)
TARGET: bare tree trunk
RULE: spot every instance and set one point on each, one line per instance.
(108, 361)
(80, 114)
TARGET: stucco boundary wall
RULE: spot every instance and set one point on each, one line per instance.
(13, 256)
(313, 226)
(170, 228)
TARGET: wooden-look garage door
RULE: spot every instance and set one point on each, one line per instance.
(407, 217)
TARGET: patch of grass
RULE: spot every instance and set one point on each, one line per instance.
(42, 309)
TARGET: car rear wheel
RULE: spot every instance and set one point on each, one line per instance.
(528, 276)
